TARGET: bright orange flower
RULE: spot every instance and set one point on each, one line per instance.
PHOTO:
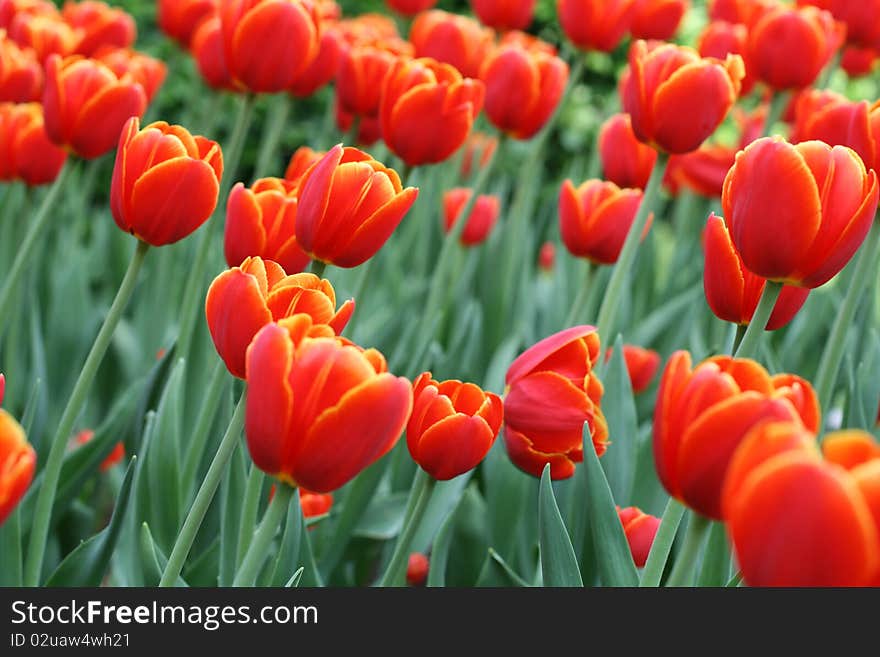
(46, 34)
(551, 392)
(115, 456)
(244, 299)
(504, 14)
(359, 80)
(148, 71)
(165, 181)
(862, 18)
(595, 24)
(323, 68)
(452, 427)
(21, 76)
(641, 365)
(482, 219)
(452, 39)
(25, 150)
(206, 48)
(300, 161)
(332, 228)
(417, 567)
(626, 161)
(812, 238)
(657, 19)
(99, 26)
(410, 7)
(720, 39)
(319, 410)
(18, 460)
(180, 18)
(261, 221)
(640, 529)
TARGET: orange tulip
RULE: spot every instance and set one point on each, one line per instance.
(21, 76)
(862, 18)
(641, 365)
(427, 110)
(17, 463)
(410, 7)
(640, 529)
(261, 221)
(244, 299)
(657, 19)
(329, 226)
(44, 33)
(523, 89)
(482, 219)
(148, 71)
(452, 427)
(812, 237)
(115, 456)
(359, 80)
(595, 218)
(675, 98)
(721, 39)
(319, 410)
(165, 181)
(551, 392)
(417, 569)
(86, 105)
(206, 48)
(25, 150)
(9, 9)
(732, 291)
(626, 161)
(452, 39)
(268, 43)
(99, 26)
(703, 414)
(180, 18)
(314, 505)
(595, 24)
(504, 14)
(323, 68)
(300, 161)
(779, 487)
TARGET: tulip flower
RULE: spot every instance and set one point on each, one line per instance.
(626, 161)
(86, 105)
(333, 229)
(25, 150)
(300, 161)
(744, 12)
(9, 9)
(552, 391)
(314, 505)
(860, 18)
(410, 7)
(721, 39)
(595, 24)
(45, 35)
(732, 291)
(368, 129)
(547, 257)
(165, 181)
(206, 48)
(115, 456)
(504, 14)
(858, 62)
(148, 71)
(703, 414)
(452, 39)
(323, 68)
(657, 19)
(824, 202)
(481, 220)
(359, 80)
(99, 26)
(594, 219)
(641, 365)
(319, 410)
(244, 299)
(452, 427)
(268, 43)
(701, 171)
(18, 461)
(427, 110)
(479, 146)
(261, 221)
(417, 568)
(523, 89)
(640, 529)
(779, 486)
(675, 98)
(180, 18)
(789, 47)
(21, 76)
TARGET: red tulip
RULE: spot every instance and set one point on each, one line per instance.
(314, 505)
(721, 39)
(641, 365)
(25, 150)
(9, 9)
(180, 18)
(417, 565)
(146, 70)
(368, 132)
(547, 257)
(626, 161)
(165, 181)
(206, 48)
(360, 77)
(18, 461)
(481, 220)
(410, 7)
(640, 529)
(595, 24)
(303, 158)
(21, 76)
(99, 25)
(452, 39)
(323, 68)
(46, 34)
(657, 19)
(746, 12)
(551, 392)
(862, 18)
(858, 62)
(812, 238)
(504, 14)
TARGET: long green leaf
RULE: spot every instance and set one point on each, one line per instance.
(558, 561)
(619, 408)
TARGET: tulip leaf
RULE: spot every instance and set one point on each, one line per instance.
(559, 563)
(501, 360)
(619, 407)
(11, 550)
(153, 562)
(444, 498)
(295, 579)
(507, 491)
(668, 314)
(383, 518)
(716, 558)
(864, 392)
(288, 550)
(311, 574)
(496, 573)
(440, 549)
(232, 488)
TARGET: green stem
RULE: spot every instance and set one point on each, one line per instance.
(659, 554)
(318, 268)
(738, 338)
(52, 470)
(200, 505)
(272, 135)
(419, 496)
(25, 250)
(249, 511)
(614, 292)
(825, 79)
(683, 572)
(207, 414)
(748, 348)
(354, 131)
(832, 355)
(578, 308)
(778, 103)
(259, 548)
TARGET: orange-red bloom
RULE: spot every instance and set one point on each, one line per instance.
(180, 18)
(640, 529)
(99, 26)
(148, 71)
(452, 39)
(482, 219)
(452, 427)
(410, 7)
(417, 569)
(25, 150)
(261, 221)
(858, 62)
(18, 460)
(9, 9)
(595, 24)
(319, 410)
(86, 105)
(369, 131)
(721, 39)
(551, 392)
(626, 161)
(165, 181)
(732, 291)
(244, 299)
(745, 12)
(360, 77)
(657, 19)
(675, 98)
(330, 225)
(115, 456)
(46, 34)
(861, 17)
(703, 414)
(595, 218)
(523, 89)
(797, 519)
(206, 48)
(21, 76)
(302, 158)
(823, 203)
(641, 365)
(504, 14)
(314, 504)
(323, 68)
(547, 257)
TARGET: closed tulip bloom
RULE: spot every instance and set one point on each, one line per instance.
(703, 414)
(732, 291)
(18, 461)
(99, 25)
(862, 18)
(180, 18)
(427, 110)
(789, 47)
(261, 221)
(148, 71)
(452, 39)
(323, 68)
(657, 19)
(481, 220)
(268, 43)
(702, 171)
(595, 218)
(303, 158)
(745, 12)
(244, 299)
(626, 161)
(551, 392)
(417, 569)
(206, 48)
(452, 427)
(504, 14)
(675, 98)
(86, 105)
(360, 77)
(314, 505)
(829, 117)
(330, 226)
(547, 257)
(721, 39)
(641, 365)
(410, 7)
(824, 201)
(858, 62)
(26, 153)
(640, 529)
(779, 486)
(319, 410)
(368, 132)
(523, 89)
(595, 24)
(165, 181)
(46, 35)
(21, 76)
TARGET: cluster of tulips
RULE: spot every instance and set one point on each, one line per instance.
(744, 117)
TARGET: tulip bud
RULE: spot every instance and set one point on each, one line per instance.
(640, 529)
(25, 150)
(641, 365)
(21, 76)
(417, 569)
(146, 70)
(481, 220)
(99, 25)
(410, 7)
(360, 77)
(860, 18)
(595, 24)
(547, 257)
(46, 35)
(180, 18)
(626, 161)
(323, 68)
(452, 39)
(657, 19)
(303, 158)
(858, 62)
(721, 39)
(206, 48)
(504, 14)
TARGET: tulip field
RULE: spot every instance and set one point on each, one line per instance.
(468, 293)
